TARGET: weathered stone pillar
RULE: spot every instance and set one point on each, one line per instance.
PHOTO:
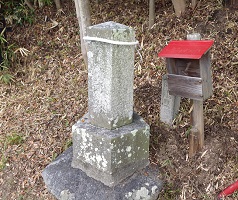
(169, 104)
(110, 155)
(110, 75)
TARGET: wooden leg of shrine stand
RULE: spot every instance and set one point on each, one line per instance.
(196, 138)
(193, 142)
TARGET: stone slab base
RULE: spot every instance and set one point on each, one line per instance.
(110, 155)
(67, 183)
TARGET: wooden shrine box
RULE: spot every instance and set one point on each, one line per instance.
(189, 68)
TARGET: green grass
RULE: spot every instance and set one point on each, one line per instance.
(68, 143)
(14, 139)
(3, 162)
(169, 192)
(54, 155)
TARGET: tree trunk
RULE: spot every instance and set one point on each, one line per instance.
(151, 13)
(179, 7)
(84, 20)
(58, 5)
(194, 4)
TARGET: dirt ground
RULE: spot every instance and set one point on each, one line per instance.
(49, 95)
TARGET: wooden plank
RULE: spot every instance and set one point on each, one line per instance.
(185, 86)
(193, 141)
(169, 105)
(206, 75)
(198, 121)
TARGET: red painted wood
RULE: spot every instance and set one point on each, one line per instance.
(193, 49)
(229, 190)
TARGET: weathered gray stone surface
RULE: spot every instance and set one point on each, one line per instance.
(110, 155)
(110, 75)
(169, 104)
(194, 36)
(67, 183)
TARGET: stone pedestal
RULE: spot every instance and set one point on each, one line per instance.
(110, 155)
(67, 183)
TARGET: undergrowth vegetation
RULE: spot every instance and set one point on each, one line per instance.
(7, 56)
(16, 12)
(13, 13)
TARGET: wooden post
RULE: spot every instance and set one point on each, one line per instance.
(193, 141)
(198, 121)
(151, 13)
(196, 138)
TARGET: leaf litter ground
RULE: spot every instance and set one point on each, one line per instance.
(50, 94)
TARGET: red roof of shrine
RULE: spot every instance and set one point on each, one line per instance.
(193, 49)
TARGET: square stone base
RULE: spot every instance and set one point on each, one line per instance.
(67, 183)
(110, 155)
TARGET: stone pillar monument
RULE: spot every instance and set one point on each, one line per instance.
(110, 155)
(110, 142)
(110, 74)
